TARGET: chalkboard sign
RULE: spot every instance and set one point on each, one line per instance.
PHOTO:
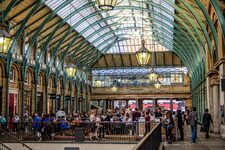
(79, 135)
(71, 148)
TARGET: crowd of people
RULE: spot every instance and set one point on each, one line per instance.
(171, 121)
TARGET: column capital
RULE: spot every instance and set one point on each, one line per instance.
(212, 72)
(219, 62)
(214, 81)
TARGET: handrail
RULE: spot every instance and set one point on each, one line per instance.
(16, 139)
(138, 146)
(3, 146)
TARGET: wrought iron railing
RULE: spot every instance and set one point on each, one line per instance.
(151, 141)
(111, 132)
(6, 136)
(4, 147)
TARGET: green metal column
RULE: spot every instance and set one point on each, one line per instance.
(7, 97)
(64, 88)
(56, 85)
(77, 100)
(87, 100)
(23, 74)
(71, 85)
(36, 76)
(46, 88)
(82, 92)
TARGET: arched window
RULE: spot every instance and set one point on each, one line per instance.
(40, 81)
(12, 75)
(28, 77)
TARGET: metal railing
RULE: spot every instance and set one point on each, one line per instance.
(4, 147)
(111, 132)
(151, 141)
(8, 137)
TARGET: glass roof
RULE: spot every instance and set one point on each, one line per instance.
(127, 23)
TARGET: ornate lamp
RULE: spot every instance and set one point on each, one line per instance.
(153, 75)
(157, 84)
(106, 4)
(5, 40)
(143, 55)
(70, 71)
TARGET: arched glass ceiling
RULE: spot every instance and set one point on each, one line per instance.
(127, 24)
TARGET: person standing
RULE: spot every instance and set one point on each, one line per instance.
(180, 124)
(206, 122)
(15, 120)
(192, 119)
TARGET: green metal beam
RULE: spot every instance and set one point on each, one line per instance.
(220, 16)
(7, 10)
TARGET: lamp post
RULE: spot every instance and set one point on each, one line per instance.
(5, 40)
(70, 71)
(106, 4)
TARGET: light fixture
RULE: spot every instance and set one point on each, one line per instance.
(98, 82)
(70, 71)
(143, 54)
(153, 75)
(5, 40)
(106, 4)
(157, 84)
(114, 87)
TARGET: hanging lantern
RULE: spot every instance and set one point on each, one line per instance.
(70, 71)
(153, 75)
(114, 88)
(157, 84)
(5, 40)
(106, 4)
(143, 55)
(98, 82)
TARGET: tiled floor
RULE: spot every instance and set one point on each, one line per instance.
(212, 143)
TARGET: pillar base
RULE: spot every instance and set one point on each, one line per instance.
(222, 131)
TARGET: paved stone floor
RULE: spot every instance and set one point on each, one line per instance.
(215, 142)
